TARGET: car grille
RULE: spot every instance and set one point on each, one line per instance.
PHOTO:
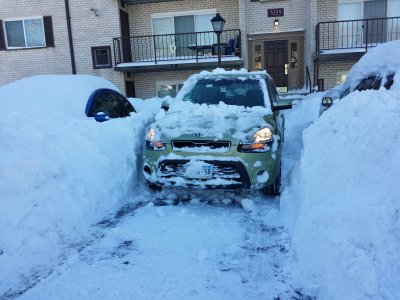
(201, 146)
(233, 171)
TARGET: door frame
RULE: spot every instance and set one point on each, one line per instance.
(125, 44)
(257, 40)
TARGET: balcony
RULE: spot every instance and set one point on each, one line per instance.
(351, 39)
(184, 51)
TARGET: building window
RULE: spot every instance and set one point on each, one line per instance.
(367, 9)
(101, 57)
(24, 33)
(341, 76)
(181, 23)
(165, 89)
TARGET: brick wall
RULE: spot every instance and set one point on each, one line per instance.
(87, 30)
(329, 70)
(15, 64)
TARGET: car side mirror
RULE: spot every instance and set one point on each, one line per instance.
(101, 117)
(165, 105)
(281, 105)
(327, 101)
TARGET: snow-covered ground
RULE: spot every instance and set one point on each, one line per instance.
(78, 222)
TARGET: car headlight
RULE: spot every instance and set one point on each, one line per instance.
(153, 141)
(257, 141)
(327, 101)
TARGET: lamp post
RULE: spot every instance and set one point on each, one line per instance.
(218, 24)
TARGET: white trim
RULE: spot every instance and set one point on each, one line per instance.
(23, 26)
(184, 13)
(22, 19)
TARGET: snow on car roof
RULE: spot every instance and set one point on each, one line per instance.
(56, 93)
(191, 81)
(382, 60)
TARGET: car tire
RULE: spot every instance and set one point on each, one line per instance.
(154, 186)
(274, 189)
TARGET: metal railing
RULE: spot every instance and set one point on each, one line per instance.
(308, 80)
(355, 34)
(195, 46)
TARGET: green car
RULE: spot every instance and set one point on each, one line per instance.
(222, 131)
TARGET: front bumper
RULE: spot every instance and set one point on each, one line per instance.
(230, 170)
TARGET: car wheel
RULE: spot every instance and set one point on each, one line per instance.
(154, 186)
(274, 188)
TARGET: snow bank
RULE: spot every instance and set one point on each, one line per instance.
(60, 171)
(342, 205)
(381, 60)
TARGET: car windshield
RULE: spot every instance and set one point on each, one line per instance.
(232, 91)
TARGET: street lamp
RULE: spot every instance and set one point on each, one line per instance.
(218, 24)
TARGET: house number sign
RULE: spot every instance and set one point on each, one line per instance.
(275, 12)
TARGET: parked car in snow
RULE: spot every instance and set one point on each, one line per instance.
(223, 130)
(105, 104)
(376, 69)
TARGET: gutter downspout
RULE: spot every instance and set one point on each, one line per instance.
(71, 45)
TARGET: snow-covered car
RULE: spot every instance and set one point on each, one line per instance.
(105, 104)
(375, 70)
(223, 130)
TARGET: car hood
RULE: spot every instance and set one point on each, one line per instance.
(186, 120)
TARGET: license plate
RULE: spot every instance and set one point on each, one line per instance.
(199, 172)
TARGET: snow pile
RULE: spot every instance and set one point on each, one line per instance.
(212, 120)
(342, 205)
(60, 171)
(380, 61)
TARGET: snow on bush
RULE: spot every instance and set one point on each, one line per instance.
(343, 205)
(60, 171)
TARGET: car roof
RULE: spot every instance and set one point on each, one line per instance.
(381, 61)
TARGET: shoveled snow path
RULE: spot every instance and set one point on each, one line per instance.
(187, 251)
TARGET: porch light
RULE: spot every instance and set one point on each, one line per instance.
(276, 23)
(218, 24)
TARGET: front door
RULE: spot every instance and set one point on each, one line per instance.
(276, 62)
(125, 35)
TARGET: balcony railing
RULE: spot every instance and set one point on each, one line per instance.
(355, 35)
(195, 46)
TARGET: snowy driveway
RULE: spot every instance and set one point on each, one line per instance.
(185, 251)
(58, 243)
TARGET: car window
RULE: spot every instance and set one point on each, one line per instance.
(370, 83)
(109, 104)
(125, 104)
(231, 91)
(389, 81)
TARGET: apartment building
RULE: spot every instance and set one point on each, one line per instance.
(149, 47)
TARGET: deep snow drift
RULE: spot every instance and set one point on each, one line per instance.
(342, 204)
(61, 172)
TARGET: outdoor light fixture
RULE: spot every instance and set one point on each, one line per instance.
(218, 24)
(276, 22)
